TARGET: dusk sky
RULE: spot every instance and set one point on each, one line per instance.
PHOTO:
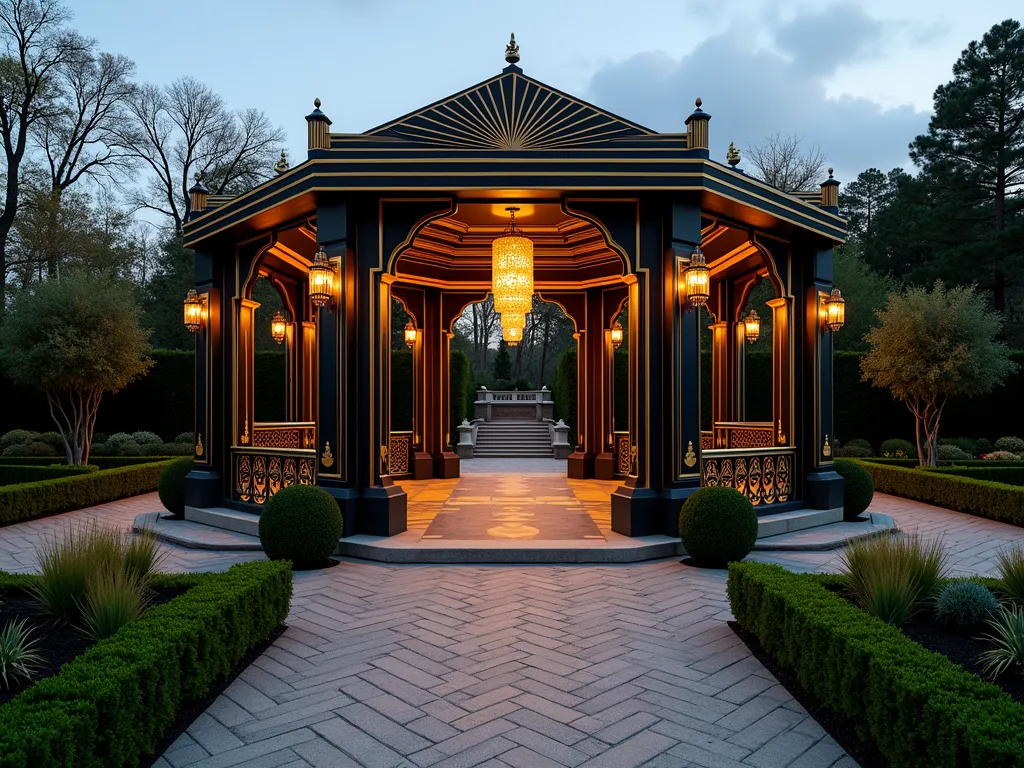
(856, 78)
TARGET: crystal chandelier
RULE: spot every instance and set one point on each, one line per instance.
(512, 269)
(512, 324)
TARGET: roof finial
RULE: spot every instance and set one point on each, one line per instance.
(316, 103)
(732, 155)
(698, 102)
(512, 50)
(282, 165)
(830, 173)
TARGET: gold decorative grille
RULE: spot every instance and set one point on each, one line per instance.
(707, 441)
(399, 453)
(259, 474)
(623, 458)
(764, 478)
(288, 436)
(743, 435)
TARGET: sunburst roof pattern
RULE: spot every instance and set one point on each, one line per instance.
(510, 112)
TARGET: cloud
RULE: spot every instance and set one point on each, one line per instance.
(752, 93)
(825, 39)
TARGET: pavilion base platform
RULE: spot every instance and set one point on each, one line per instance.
(231, 530)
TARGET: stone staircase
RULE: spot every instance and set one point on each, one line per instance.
(512, 440)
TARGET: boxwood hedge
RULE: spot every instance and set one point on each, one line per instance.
(984, 498)
(27, 501)
(115, 702)
(103, 462)
(12, 475)
(918, 707)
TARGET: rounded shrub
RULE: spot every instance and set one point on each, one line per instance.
(185, 438)
(858, 488)
(147, 438)
(301, 523)
(952, 453)
(854, 452)
(964, 606)
(100, 449)
(52, 439)
(171, 486)
(896, 448)
(983, 445)
(859, 442)
(1000, 456)
(718, 526)
(17, 437)
(130, 448)
(154, 449)
(33, 448)
(1011, 444)
(965, 444)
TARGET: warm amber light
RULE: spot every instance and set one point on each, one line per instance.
(617, 334)
(697, 279)
(512, 269)
(410, 334)
(512, 324)
(835, 310)
(321, 280)
(277, 327)
(752, 326)
(193, 311)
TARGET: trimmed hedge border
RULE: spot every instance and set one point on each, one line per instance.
(1007, 475)
(20, 473)
(918, 707)
(116, 701)
(983, 498)
(27, 501)
(103, 462)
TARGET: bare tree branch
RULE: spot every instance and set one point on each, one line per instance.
(785, 164)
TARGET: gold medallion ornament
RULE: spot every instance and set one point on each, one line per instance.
(826, 450)
(691, 458)
(199, 444)
(327, 458)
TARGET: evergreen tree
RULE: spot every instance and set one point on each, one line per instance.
(502, 363)
(972, 164)
(173, 276)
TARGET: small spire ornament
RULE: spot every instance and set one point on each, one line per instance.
(732, 155)
(512, 50)
(282, 165)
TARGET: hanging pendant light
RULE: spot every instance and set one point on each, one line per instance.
(697, 279)
(512, 269)
(616, 334)
(512, 324)
(410, 334)
(277, 327)
(752, 326)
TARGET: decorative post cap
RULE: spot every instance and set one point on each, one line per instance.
(282, 165)
(197, 195)
(200, 187)
(830, 192)
(732, 155)
(512, 55)
(318, 132)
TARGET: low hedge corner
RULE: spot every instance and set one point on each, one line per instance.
(115, 702)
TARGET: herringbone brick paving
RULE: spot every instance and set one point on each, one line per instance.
(386, 666)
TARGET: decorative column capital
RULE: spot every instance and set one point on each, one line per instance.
(198, 194)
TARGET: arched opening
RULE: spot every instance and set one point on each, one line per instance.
(270, 377)
(757, 353)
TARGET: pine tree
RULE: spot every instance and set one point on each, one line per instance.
(502, 363)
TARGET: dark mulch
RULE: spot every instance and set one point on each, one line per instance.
(840, 728)
(187, 716)
(963, 650)
(56, 644)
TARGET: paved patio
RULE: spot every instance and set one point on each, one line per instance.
(501, 666)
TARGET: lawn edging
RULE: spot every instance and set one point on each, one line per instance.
(27, 501)
(115, 702)
(918, 707)
(983, 498)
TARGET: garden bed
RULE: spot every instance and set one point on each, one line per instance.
(118, 700)
(917, 707)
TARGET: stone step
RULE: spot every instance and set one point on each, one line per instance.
(826, 537)
(796, 520)
(228, 519)
(186, 533)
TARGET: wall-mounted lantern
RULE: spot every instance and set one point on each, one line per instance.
(616, 334)
(321, 280)
(697, 279)
(834, 311)
(752, 326)
(277, 327)
(195, 311)
(410, 335)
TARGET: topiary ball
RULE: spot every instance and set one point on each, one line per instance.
(171, 486)
(718, 526)
(964, 606)
(858, 488)
(301, 523)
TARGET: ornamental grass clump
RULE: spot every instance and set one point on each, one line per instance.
(19, 660)
(893, 577)
(1008, 638)
(963, 606)
(112, 599)
(1010, 567)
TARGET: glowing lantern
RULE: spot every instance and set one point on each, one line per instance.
(835, 310)
(697, 279)
(752, 326)
(277, 327)
(512, 269)
(321, 280)
(193, 311)
(617, 334)
(512, 324)
(410, 334)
